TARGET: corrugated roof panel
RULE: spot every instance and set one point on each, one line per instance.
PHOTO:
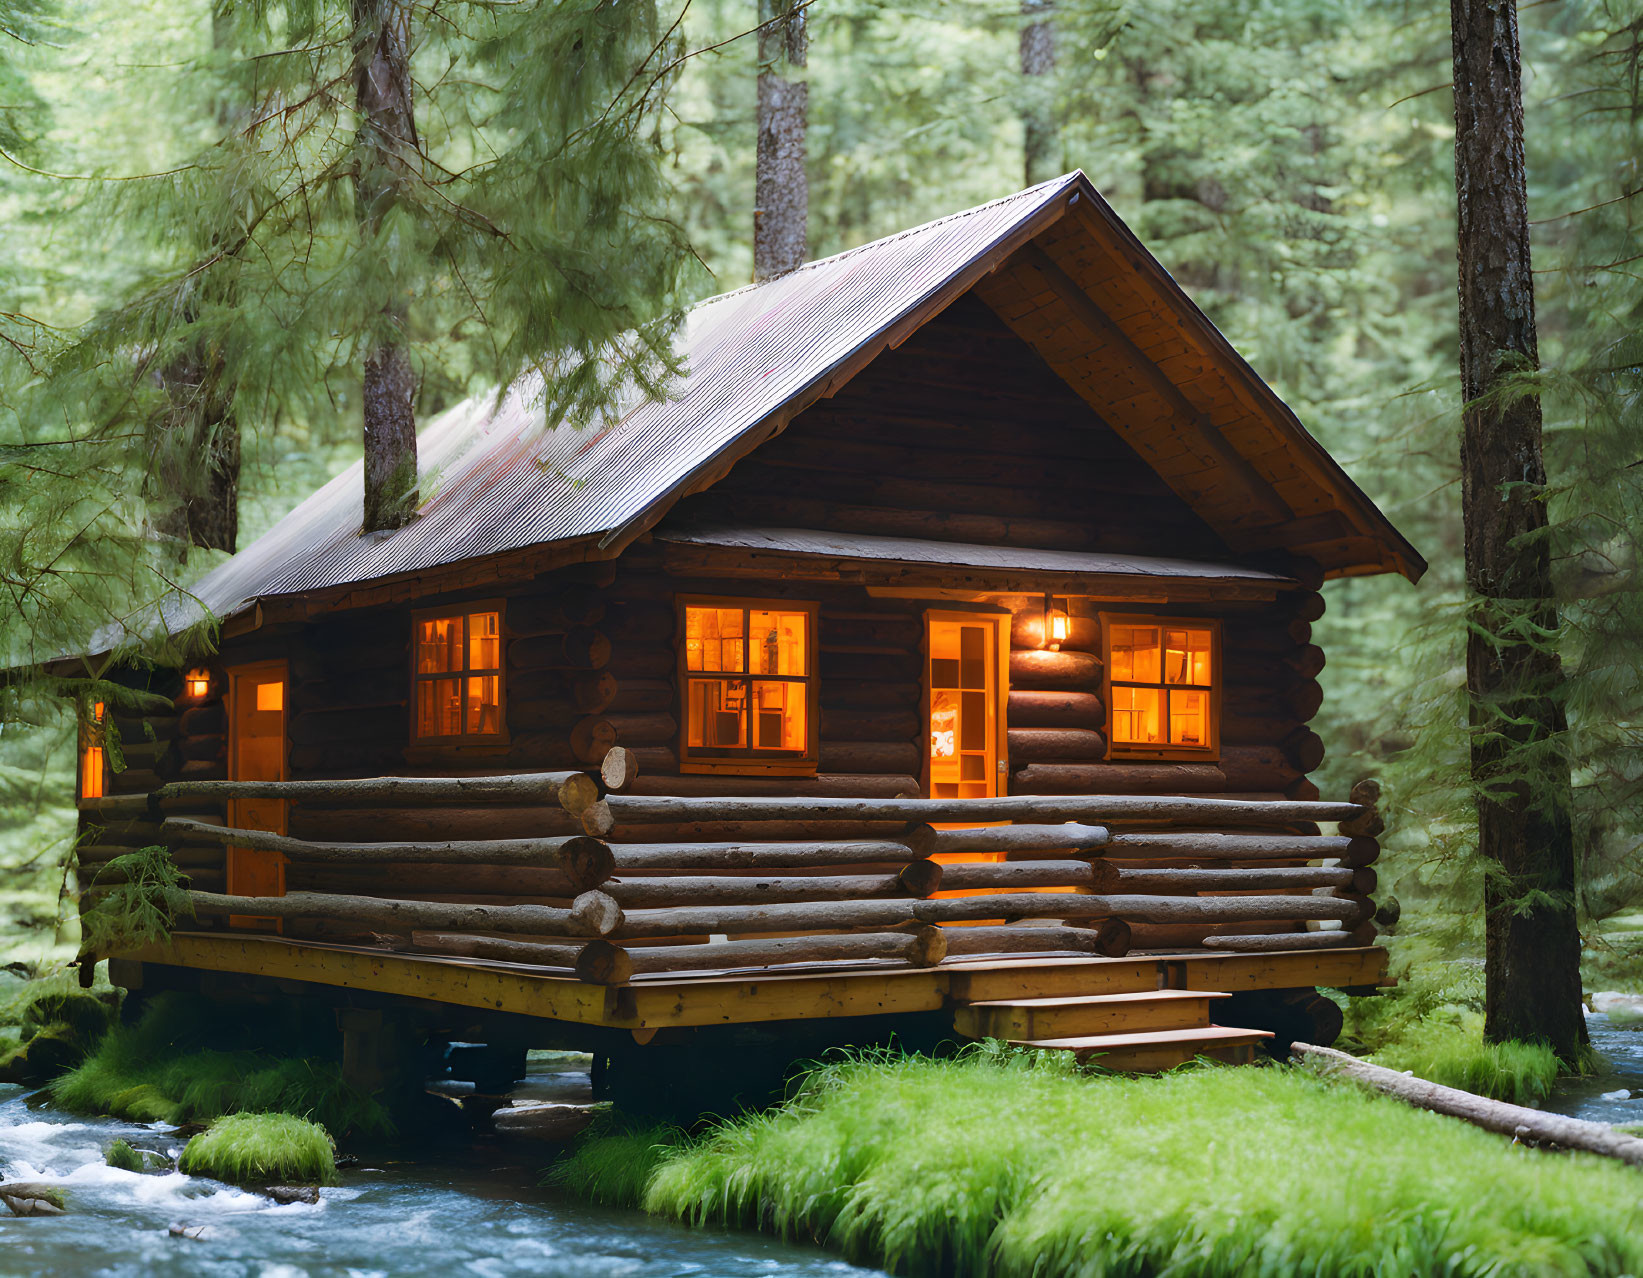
(499, 480)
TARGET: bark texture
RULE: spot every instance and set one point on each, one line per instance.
(1037, 104)
(1514, 676)
(782, 189)
(386, 148)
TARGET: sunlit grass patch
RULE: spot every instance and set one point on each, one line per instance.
(1453, 1052)
(982, 1166)
(614, 1161)
(262, 1149)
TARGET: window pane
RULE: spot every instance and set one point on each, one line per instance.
(271, 696)
(972, 657)
(780, 642)
(713, 639)
(484, 641)
(1137, 715)
(717, 714)
(439, 707)
(779, 716)
(1188, 718)
(1135, 654)
(484, 705)
(439, 645)
(1186, 656)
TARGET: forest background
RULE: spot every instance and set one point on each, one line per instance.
(1290, 162)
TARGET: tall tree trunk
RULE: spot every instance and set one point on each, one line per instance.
(1514, 676)
(782, 191)
(386, 147)
(1037, 103)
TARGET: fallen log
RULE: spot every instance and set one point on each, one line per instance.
(592, 913)
(1517, 1121)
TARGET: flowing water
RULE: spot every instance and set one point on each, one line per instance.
(474, 1211)
(1616, 1095)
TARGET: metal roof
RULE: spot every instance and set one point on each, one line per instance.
(912, 550)
(496, 478)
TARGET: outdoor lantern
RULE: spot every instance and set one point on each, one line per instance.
(1055, 625)
(198, 682)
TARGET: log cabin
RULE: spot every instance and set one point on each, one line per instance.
(936, 657)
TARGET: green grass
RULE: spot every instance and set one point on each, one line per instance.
(262, 1149)
(1452, 1051)
(1016, 1168)
(614, 1161)
(185, 1061)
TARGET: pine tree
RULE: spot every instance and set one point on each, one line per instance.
(781, 215)
(1037, 108)
(1514, 674)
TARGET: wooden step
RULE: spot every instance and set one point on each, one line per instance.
(1153, 1050)
(1079, 1015)
(1051, 978)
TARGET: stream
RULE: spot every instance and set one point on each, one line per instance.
(477, 1210)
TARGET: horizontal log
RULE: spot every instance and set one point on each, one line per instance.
(158, 727)
(655, 661)
(1242, 847)
(1306, 606)
(869, 694)
(1191, 936)
(1019, 876)
(542, 714)
(431, 880)
(501, 950)
(1036, 809)
(542, 787)
(1039, 745)
(760, 856)
(846, 786)
(649, 623)
(592, 914)
(1243, 728)
(641, 696)
(94, 856)
(1055, 671)
(1109, 938)
(381, 685)
(901, 758)
(887, 631)
(1245, 879)
(711, 890)
(1056, 710)
(1117, 778)
(1304, 748)
(589, 691)
(591, 738)
(1331, 940)
(1008, 838)
(581, 649)
(585, 860)
(430, 824)
(1258, 767)
(843, 723)
(884, 667)
(324, 727)
(568, 608)
(201, 747)
(1229, 909)
(855, 915)
(924, 947)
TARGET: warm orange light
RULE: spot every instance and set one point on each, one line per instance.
(1056, 625)
(458, 675)
(199, 683)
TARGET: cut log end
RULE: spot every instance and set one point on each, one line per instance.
(619, 768)
(920, 878)
(578, 793)
(928, 948)
(602, 963)
(587, 861)
(596, 914)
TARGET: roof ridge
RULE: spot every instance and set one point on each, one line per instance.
(1070, 176)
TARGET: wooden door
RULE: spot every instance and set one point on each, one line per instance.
(256, 752)
(966, 677)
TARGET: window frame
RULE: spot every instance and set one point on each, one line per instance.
(463, 610)
(1118, 751)
(750, 763)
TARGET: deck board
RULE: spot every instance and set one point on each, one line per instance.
(742, 998)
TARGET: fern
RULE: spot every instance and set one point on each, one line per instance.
(144, 893)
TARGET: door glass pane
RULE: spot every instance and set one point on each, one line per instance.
(972, 657)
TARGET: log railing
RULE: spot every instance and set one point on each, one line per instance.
(657, 884)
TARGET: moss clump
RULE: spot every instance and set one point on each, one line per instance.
(184, 1061)
(262, 1149)
(121, 1155)
(1452, 1051)
(614, 1161)
(985, 1166)
(56, 1029)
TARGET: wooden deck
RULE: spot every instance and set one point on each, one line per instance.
(1142, 1011)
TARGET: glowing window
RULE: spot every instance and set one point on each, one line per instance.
(1161, 683)
(457, 660)
(93, 758)
(748, 685)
